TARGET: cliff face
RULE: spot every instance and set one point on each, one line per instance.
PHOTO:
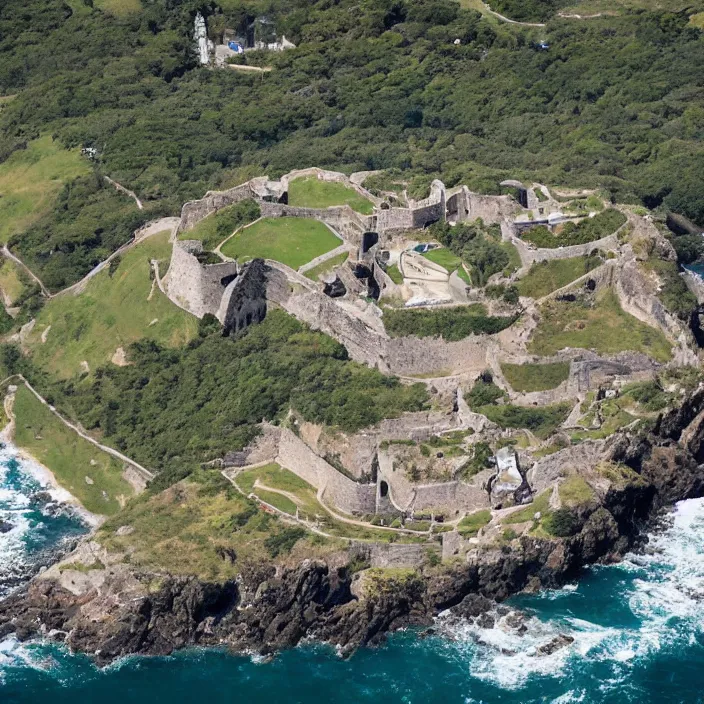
(266, 610)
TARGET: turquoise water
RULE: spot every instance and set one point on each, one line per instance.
(638, 630)
(39, 524)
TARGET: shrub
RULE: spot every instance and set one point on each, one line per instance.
(586, 230)
(449, 323)
(561, 523)
(283, 541)
(484, 393)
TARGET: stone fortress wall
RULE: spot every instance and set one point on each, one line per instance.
(281, 445)
(195, 286)
(240, 296)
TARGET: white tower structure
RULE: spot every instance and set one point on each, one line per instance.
(201, 36)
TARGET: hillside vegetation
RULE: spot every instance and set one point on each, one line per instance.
(172, 409)
(548, 276)
(92, 476)
(118, 306)
(614, 103)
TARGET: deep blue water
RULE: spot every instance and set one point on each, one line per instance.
(638, 629)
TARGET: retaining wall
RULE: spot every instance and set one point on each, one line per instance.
(342, 492)
(195, 210)
(197, 287)
(412, 356)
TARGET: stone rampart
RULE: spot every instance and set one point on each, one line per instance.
(195, 210)
(394, 219)
(492, 210)
(413, 356)
(530, 255)
(400, 554)
(195, 286)
(342, 492)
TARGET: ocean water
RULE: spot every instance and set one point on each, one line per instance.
(40, 523)
(638, 631)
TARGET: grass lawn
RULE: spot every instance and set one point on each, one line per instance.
(541, 503)
(535, 377)
(292, 241)
(31, 179)
(444, 257)
(395, 274)
(216, 228)
(469, 526)
(119, 8)
(112, 312)
(605, 328)
(276, 477)
(10, 281)
(327, 266)
(312, 192)
(547, 276)
(71, 458)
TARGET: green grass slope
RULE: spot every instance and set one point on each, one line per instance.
(31, 179)
(113, 311)
(314, 193)
(292, 241)
(547, 276)
(92, 476)
(603, 327)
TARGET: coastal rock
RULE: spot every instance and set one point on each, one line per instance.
(273, 607)
(5, 526)
(558, 642)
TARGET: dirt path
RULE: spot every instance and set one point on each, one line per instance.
(126, 191)
(109, 450)
(510, 21)
(7, 253)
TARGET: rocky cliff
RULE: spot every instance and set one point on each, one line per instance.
(118, 612)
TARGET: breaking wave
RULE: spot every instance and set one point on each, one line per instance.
(35, 521)
(621, 618)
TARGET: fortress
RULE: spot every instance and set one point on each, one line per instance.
(239, 295)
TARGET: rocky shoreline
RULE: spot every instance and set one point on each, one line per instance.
(116, 610)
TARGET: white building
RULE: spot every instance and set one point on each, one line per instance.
(201, 36)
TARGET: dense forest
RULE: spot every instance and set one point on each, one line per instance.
(616, 102)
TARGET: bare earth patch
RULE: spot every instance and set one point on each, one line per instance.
(120, 357)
